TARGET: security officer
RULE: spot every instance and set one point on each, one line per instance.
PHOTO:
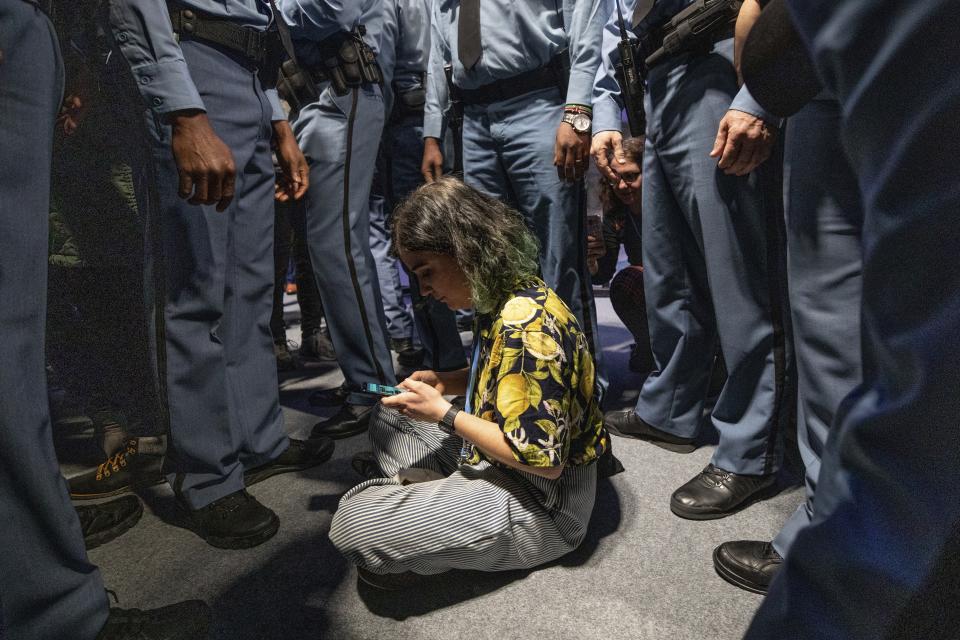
(523, 72)
(879, 558)
(339, 130)
(212, 199)
(824, 213)
(404, 51)
(710, 260)
(49, 588)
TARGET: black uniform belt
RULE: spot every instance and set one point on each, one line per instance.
(554, 74)
(44, 5)
(252, 44)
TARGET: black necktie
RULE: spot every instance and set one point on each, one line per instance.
(468, 33)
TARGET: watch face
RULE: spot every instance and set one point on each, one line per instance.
(581, 123)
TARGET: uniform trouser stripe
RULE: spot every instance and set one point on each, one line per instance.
(351, 120)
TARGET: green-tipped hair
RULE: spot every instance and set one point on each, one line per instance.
(489, 240)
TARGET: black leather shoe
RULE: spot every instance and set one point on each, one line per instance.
(748, 564)
(366, 465)
(122, 472)
(300, 455)
(715, 493)
(286, 361)
(350, 420)
(189, 620)
(329, 397)
(105, 521)
(628, 424)
(317, 345)
(389, 581)
(235, 521)
(407, 354)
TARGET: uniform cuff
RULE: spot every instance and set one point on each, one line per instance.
(745, 102)
(275, 106)
(167, 87)
(606, 115)
(433, 126)
(580, 87)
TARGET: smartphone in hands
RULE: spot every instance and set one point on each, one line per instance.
(381, 389)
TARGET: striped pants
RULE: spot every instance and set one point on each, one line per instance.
(479, 517)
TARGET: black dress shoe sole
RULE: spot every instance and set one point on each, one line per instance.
(253, 476)
(675, 447)
(240, 542)
(694, 514)
(733, 578)
(94, 541)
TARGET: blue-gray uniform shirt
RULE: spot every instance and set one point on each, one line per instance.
(606, 94)
(142, 31)
(404, 46)
(312, 21)
(517, 36)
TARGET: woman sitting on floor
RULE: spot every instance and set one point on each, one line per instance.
(509, 481)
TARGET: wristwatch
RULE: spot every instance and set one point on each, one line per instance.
(446, 422)
(579, 120)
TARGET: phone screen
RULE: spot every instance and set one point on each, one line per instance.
(381, 389)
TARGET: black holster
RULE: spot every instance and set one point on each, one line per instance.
(348, 62)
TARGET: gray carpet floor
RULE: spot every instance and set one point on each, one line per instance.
(642, 573)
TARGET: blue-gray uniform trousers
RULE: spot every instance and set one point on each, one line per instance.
(709, 272)
(395, 313)
(479, 517)
(879, 558)
(48, 589)
(400, 154)
(508, 149)
(824, 215)
(339, 136)
(216, 286)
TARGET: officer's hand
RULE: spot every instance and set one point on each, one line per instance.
(206, 166)
(570, 153)
(296, 174)
(605, 144)
(432, 165)
(743, 143)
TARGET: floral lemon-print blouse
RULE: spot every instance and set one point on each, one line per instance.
(536, 380)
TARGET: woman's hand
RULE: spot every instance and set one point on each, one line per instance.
(431, 378)
(421, 401)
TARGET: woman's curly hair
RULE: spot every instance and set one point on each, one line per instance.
(489, 240)
(632, 152)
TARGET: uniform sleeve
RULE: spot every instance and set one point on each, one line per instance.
(438, 95)
(585, 20)
(143, 33)
(607, 103)
(745, 102)
(319, 19)
(530, 393)
(390, 34)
